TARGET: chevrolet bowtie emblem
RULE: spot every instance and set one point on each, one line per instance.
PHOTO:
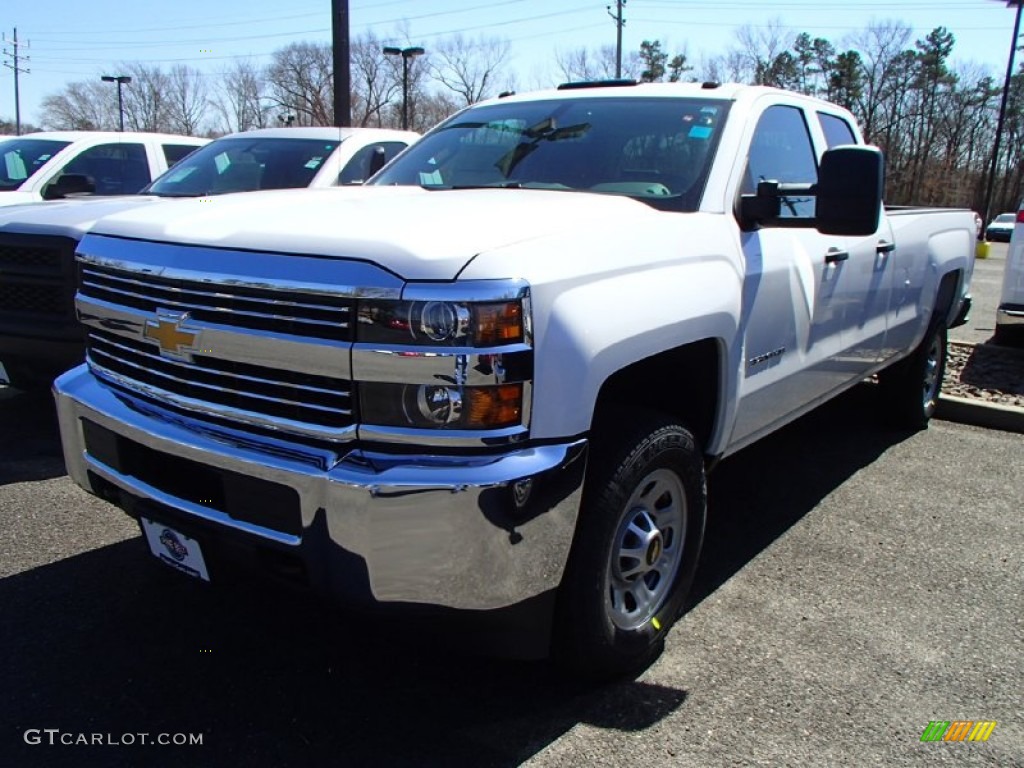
(174, 340)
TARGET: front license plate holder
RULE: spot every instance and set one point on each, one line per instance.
(175, 549)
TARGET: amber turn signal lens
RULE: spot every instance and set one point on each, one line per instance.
(493, 407)
(498, 323)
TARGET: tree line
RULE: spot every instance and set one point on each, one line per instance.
(935, 120)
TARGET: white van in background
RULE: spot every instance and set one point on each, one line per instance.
(1010, 315)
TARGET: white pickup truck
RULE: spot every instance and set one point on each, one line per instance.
(51, 165)
(40, 336)
(491, 381)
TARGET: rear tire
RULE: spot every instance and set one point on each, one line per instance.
(637, 543)
(911, 388)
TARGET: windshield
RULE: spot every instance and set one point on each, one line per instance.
(23, 157)
(1005, 218)
(244, 165)
(657, 150)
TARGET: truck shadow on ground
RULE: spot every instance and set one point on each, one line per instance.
(757, 495)
(30, 448)
(109, 642)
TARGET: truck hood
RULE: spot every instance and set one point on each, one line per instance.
(415, 233)
(66, 218)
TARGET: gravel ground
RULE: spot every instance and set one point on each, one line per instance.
(985, 372)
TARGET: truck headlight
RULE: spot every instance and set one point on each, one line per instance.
(440, 323)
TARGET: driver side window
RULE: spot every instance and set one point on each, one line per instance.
(781, 150)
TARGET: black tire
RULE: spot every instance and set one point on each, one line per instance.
(645, 494)
(911, 388)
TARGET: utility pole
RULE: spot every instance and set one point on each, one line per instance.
(1002, 111)
(619, 24)
(342, 66)
(15, 55)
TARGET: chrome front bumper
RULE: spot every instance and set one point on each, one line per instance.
(479, 533)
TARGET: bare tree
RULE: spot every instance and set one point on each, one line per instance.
(146, 103)
(729, 68)
(81, 106)
(241, 102)
(469, 68)
(765, 51)
(187, 100)
(375, 80)
(431, 109)
(301, 79)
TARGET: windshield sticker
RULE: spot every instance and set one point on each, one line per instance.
(700, 132)
(314, 163)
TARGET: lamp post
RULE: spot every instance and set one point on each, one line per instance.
(406, 54)
(120, 80)
(1002, 109)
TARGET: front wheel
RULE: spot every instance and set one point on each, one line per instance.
(636, 548)
(911, 387)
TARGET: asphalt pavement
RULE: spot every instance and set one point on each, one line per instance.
(856, 585)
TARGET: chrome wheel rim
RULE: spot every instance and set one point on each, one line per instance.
(932, 380)
(647, 550)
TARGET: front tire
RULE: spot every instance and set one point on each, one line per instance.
(637, 543)
(911, 387)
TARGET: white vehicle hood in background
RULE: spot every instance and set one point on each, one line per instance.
(415, 233)
(72, 217)
(14, 197)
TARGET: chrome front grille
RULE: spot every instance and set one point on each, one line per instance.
(244, 388)
(307, 315)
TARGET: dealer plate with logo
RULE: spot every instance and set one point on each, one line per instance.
(175, 549)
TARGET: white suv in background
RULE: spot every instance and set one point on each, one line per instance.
(1010, 315)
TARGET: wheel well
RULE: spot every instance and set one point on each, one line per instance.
(946, 295)
(682, 382)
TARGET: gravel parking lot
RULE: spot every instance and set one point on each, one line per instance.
(856, 584)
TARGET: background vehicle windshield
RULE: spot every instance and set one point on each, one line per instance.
(244, 165)
(20, 158)
(657, 150)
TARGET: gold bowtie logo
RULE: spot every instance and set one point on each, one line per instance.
(174, 340)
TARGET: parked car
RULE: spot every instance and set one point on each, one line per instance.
(1001, 227)
(39, 332)
(1010, 314)
(50, 165)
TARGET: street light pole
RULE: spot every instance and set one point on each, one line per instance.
(120, 80)
(406, 54)
(1002, 109)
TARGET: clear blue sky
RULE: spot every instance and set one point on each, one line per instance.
(78, 40)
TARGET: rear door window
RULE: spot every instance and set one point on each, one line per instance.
(357, 169)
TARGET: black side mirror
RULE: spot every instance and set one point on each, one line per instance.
(849, 191)
(377, 160)
(69, 184)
